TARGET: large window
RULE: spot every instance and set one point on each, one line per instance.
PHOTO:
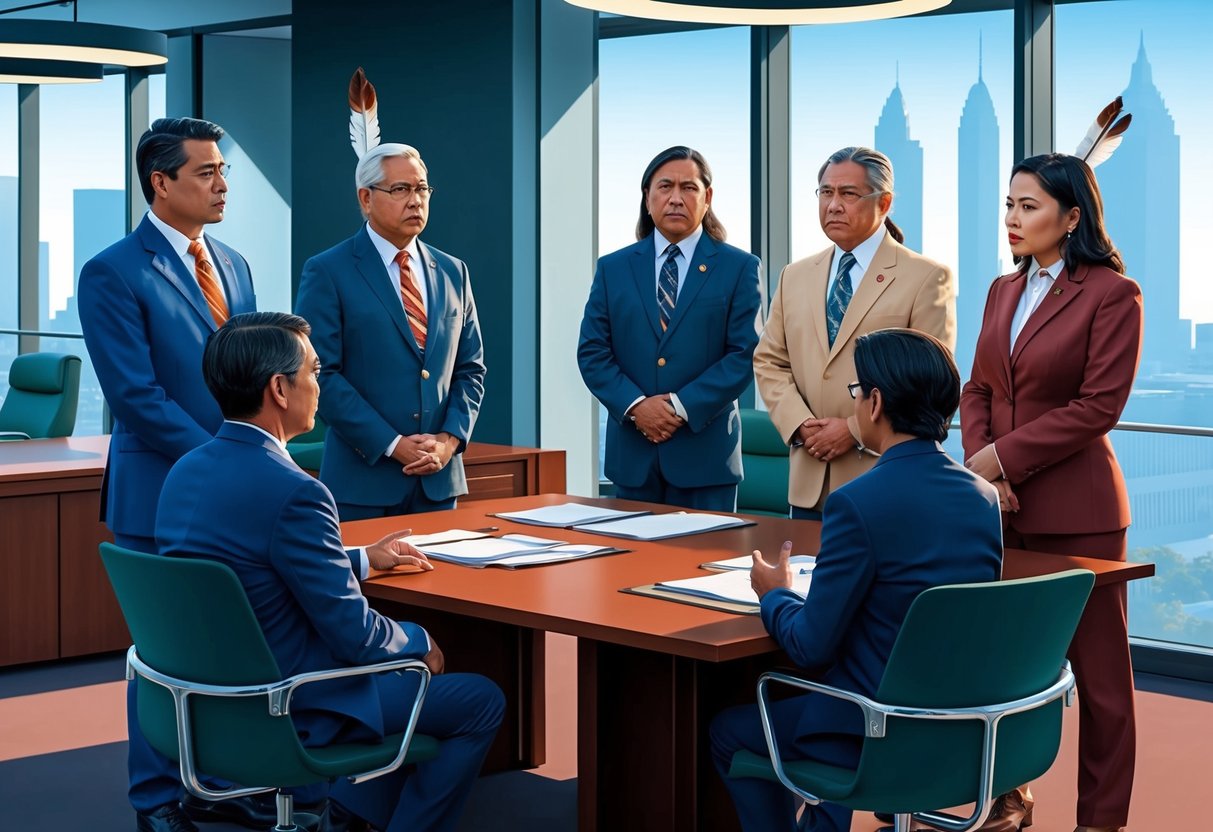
(935, 94)
(8, 229)
(1152, 52)
(657, 91)
(82, 203)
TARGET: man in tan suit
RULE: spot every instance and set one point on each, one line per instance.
(866, 281)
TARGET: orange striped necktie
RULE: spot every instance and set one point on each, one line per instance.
(414, 308)
(205, 274)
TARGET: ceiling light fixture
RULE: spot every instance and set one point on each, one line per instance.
(72, 41)
(763, 12)
(30, 71)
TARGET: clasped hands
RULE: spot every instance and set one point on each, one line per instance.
(827, 438)
(425, 453)
(985, 464)
(655, 418)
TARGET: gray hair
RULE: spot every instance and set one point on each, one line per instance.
(875, 164)
(879, 172)
(370, 167)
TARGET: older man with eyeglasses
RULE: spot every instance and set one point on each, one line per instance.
(867, 280)
(394, 323)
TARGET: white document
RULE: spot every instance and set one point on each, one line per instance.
(449, 536)
(572, 551)
(486, 549)
(661, 526)
(566, 515)
(744, 562)
(733, 586)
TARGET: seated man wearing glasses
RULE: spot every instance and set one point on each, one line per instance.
(394, 323)
(918, 519)
(867, 280)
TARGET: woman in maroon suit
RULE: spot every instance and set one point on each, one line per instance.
(1054, 363)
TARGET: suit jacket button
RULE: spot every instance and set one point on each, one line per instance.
(416, 415)
(825, 375)
(660, 362)
(425, 374)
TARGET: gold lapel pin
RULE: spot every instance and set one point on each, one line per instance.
(880, 278)
(702, 268)
(1057, 291)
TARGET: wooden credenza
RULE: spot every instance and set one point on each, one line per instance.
(55, 599)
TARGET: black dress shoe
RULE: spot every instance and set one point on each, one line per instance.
(168, 818)
(257, 811)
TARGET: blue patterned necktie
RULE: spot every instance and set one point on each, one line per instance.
(840, 296)
(667, 286)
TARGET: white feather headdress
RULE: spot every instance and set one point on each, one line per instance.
(1105, 135)
(364, 114)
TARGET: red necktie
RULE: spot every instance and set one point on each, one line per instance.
(205, 274)
(414, 309)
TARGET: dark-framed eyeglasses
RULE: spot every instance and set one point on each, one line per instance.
(404, 190)
(846, 196)
(854, 388)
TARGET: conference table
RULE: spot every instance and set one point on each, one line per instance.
(651, 673)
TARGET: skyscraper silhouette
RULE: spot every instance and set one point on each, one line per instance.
(893, 140)
(1140, 186)
(978, 215)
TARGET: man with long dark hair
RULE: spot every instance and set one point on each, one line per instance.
(667, 342)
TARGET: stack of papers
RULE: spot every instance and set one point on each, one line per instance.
(661, 526)
(732, 586)
(566, 515)
(511, 550)
(744, 562)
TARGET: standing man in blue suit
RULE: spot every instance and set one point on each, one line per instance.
(394, 323)
(918, 519)
(147, 305)
(240, 500)
(667, 340)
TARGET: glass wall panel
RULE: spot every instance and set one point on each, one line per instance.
(8, 228)
(656, 91)
(936, 95)
(1152, 52)
(82, 210)
(156, 97)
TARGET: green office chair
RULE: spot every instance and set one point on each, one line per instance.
(764, 458)
(307, 449)
(43, 391)
(933, 737)
(210, 692)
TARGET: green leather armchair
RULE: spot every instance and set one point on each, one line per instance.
(43, 392)
(764, 458)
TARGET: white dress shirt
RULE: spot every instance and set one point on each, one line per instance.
(864, 254)
(181, 244)
(1034, 291)
(388, 251)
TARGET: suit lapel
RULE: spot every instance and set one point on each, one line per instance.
(819, 279)
(881, 274)
(166, 261)
(700, 269)
(644, 258)
(436, 284)
(1057, 299)
(370, 267)
(1003, 314)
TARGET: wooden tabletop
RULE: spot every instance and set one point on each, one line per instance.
(582, 598)
(43, 459)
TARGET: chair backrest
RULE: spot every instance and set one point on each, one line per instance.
(307, 449)
(764, 458)
(191, 619)
(971, 645)
(44, 389)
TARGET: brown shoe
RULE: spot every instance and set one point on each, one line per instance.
(1011, 812)
(1099, 829)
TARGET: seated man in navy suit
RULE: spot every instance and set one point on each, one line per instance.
(240, 500)
(918, 519)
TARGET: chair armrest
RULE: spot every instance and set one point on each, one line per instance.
(875, 718)
(6, 435)
(279, 696)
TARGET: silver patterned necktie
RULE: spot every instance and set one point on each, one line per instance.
(840, 296)
(667, 286)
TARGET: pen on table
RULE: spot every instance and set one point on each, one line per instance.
(487, 529)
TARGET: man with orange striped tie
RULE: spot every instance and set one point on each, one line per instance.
(147, 304)
(402, 363)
